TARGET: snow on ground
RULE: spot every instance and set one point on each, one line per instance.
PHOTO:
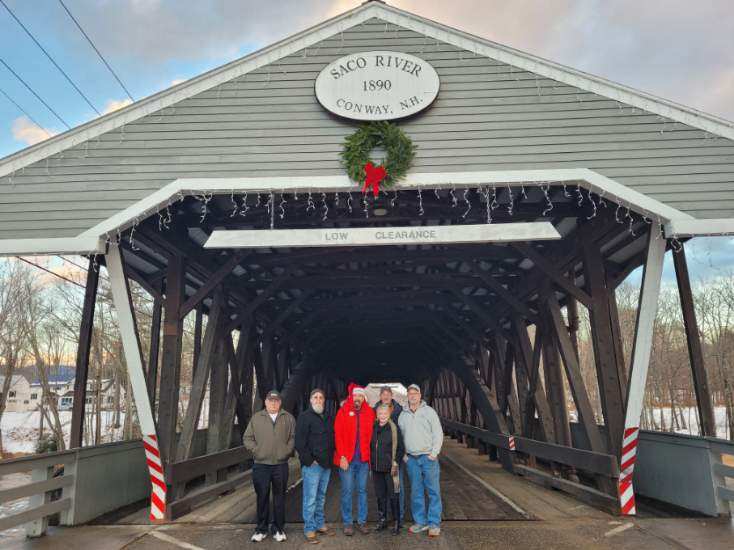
(20, 429)
(690, 416)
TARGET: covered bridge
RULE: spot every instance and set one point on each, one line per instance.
(534, 191)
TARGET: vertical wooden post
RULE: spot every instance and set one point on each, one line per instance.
(82, 355)
(155, 344)
(609, 371)
(646, 312)
(136, 373)
(211, 355)
(700, 379)
(171, 364)
(554, 384)
(197, 335)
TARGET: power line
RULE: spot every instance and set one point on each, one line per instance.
(38, 97)
(68, 78)
(51, 272)
(22, 110)
(96, 50)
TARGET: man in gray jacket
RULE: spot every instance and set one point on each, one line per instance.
(270, 437)
(423, 437)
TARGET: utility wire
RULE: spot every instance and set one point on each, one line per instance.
(49, 271)
(38, 97)
(96, 50)
(68, 78)
(22, 110)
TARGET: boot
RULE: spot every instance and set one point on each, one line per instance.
(395, 509)
(382, 514)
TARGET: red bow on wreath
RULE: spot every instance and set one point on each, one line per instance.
(373, 176)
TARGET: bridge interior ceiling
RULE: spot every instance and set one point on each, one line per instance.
(388, 312)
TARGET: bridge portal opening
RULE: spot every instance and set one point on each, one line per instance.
(403, 287)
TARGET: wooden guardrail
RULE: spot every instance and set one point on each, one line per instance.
(598, 464)
(722, 453)
(49, 473)
(589, 461)
(178, 473)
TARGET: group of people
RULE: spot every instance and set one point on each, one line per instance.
(385, 441)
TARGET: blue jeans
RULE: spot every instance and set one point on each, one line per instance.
(356, 474)
(315, 482)
(425, 477)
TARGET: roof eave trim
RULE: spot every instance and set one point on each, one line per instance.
(82, 245)
(587, 179)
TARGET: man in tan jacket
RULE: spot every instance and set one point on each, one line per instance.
(270, 437)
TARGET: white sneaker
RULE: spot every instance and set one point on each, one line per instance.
(258, 537)
(279, 536)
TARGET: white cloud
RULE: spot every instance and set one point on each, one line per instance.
(25, 131)
(115, 104)
(177, 81)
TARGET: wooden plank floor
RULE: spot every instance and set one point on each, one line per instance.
(463, 499)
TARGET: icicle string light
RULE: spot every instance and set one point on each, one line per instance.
(235, 206)
(511, 203)
(467, 202)
(281, 206)
(245, 207)
(324, 207)
(549, 205)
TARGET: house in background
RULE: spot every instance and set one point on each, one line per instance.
(66, 399)
(21, 397)
(26, 390)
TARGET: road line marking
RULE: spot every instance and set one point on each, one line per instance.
(175, 541)
(487, 486)
(618, 530)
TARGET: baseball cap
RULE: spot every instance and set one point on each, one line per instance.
(415, 387)
(273, 394)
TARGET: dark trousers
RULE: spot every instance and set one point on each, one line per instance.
(263, 476)
(384, 487)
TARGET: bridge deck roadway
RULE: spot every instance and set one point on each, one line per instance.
(485, 507)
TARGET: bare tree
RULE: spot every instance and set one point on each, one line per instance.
(12, 334)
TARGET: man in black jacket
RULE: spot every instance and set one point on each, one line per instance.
(315, 446)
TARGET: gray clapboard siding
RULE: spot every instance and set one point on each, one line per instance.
(488, 116)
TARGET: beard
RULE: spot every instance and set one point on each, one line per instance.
(318, 409)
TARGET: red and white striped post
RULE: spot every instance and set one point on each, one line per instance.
(648, 306)
(134, 361)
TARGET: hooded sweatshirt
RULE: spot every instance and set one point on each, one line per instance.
(422, 431)
(345, 430)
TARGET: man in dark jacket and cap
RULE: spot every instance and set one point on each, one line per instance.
(315, 446)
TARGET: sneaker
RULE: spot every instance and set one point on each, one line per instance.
(279, 536)
(258, 537)
(418, 528)
(434, 531)
(348, 530)
(325, 531)
(311, 537)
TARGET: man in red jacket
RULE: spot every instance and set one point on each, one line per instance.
(352, 435)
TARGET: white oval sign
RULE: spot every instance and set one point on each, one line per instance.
(377, 85)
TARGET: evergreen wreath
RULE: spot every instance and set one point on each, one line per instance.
(356, 155)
